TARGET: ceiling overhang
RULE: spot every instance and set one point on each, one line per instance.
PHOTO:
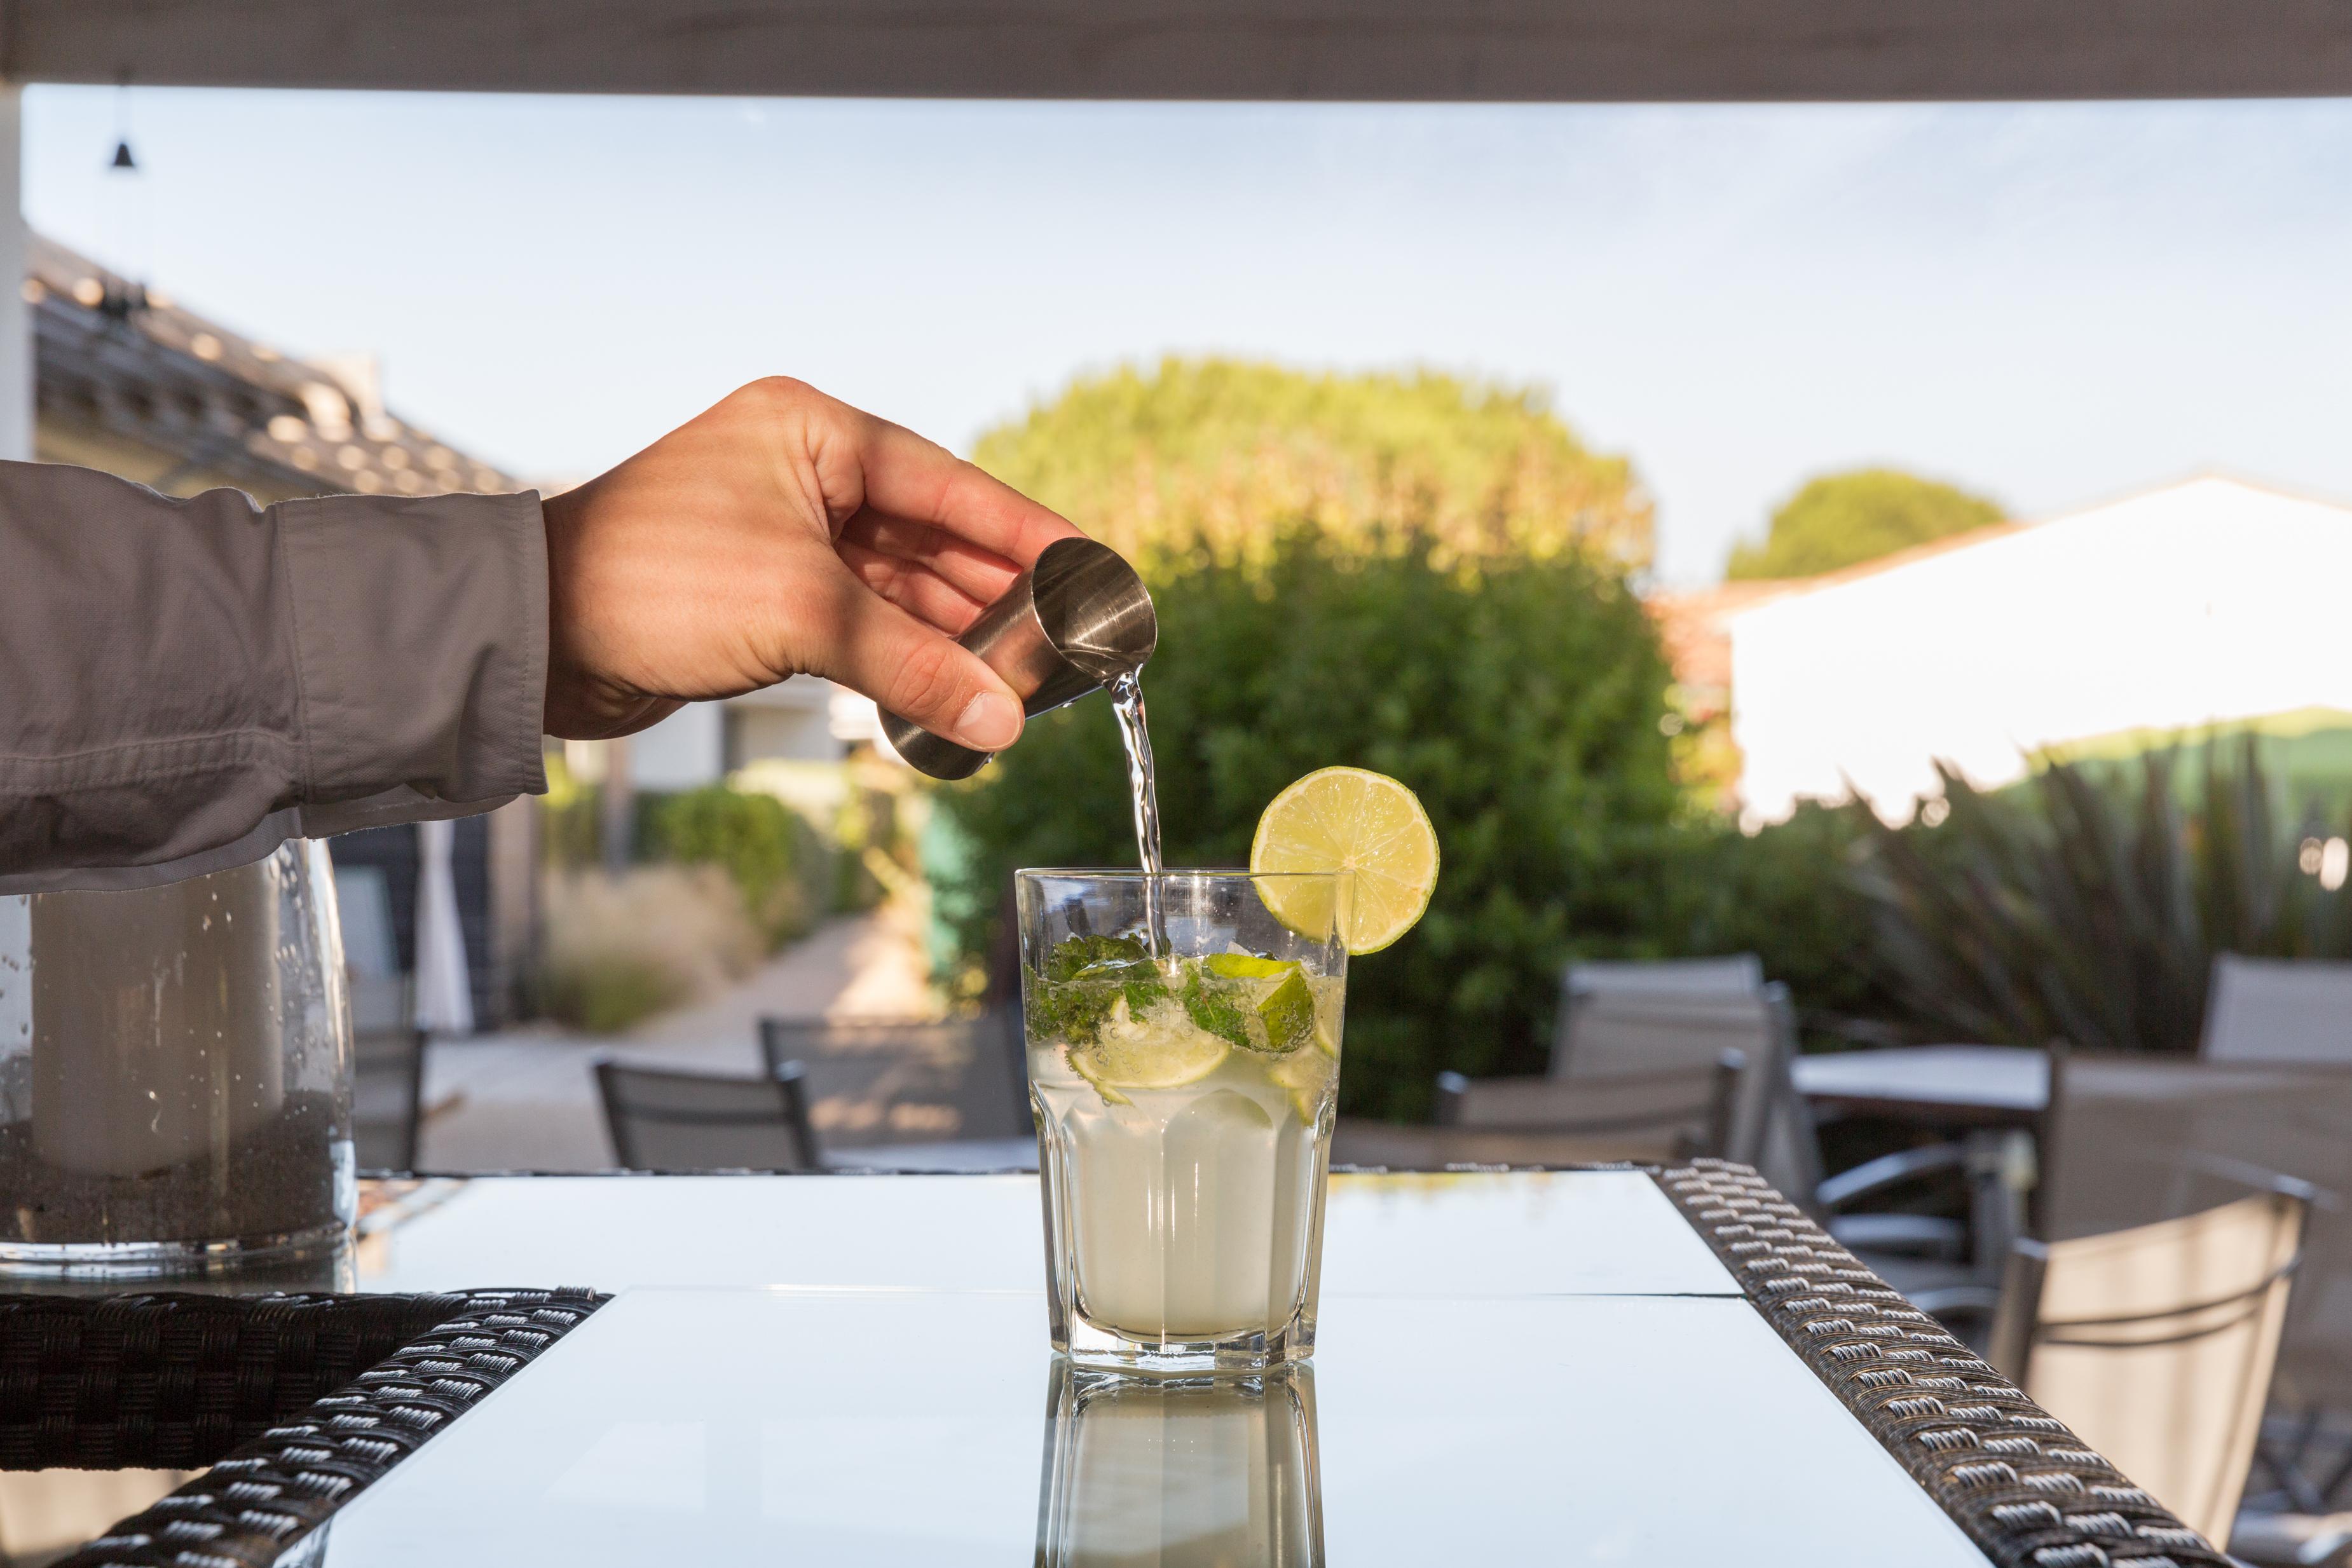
(1370, 50)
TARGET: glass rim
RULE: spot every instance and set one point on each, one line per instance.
(1201, 873)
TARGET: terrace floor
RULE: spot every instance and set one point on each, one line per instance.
(525, 1099)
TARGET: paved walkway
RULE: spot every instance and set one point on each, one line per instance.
(526, 1099)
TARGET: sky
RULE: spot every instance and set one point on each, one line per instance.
(2052, 304)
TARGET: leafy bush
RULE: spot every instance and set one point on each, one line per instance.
(2088, 903)
(1792, 894)
(777, 861)
(1521, 702)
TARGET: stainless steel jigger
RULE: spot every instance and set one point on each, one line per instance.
(1078, 619)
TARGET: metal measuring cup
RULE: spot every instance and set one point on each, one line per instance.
(1078, 619)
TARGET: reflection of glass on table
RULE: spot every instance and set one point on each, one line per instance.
(1191, 1473)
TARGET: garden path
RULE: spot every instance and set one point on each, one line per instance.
(525, 1099)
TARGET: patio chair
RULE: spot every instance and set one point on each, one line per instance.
(387, 1049)
(388, 1097)
(1647, 1118)
(1734, 974)
(1684, 1013)
(663, 1120)
(2135, 1140)
(2131, 1140)
(1619, 1018)
(2278, 1009)
(2156, 1344)
(968, 1072)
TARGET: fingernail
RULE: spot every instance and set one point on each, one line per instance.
(988, 722)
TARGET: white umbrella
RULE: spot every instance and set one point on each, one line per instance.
(445, 994)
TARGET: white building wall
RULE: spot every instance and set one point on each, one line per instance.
(684, 751)
(783, 735)
(2209, 601)
(804, 719)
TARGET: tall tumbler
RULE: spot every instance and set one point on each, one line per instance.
(1184, 1102)
(176, 1071)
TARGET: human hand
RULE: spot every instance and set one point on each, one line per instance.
(783, 532)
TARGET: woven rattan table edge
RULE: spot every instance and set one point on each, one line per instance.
(262, 1499)
(2022, 1487)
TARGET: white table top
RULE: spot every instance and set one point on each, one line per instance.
(1997, 1078)
(888, 1428)
(1521, 1234)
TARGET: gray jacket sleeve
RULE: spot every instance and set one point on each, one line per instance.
(186, 684)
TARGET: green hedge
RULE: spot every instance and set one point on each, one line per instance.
(1792, 894)
(1522, 702)
(779, 864)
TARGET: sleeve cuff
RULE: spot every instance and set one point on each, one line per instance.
(419, 628)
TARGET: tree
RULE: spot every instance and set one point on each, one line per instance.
(1210, 455)
(1843, 520)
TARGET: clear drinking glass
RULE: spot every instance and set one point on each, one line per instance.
(1180, 1472)
(176, 1074)
(1183, 1046)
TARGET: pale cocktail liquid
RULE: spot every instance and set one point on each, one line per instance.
(1186, 1091)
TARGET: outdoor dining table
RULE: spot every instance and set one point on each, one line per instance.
(1611, 1365)
(1938, 1085)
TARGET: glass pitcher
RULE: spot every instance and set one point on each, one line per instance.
(176, 1074)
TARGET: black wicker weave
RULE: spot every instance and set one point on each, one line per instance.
(297, 1403)
(2027, 1491)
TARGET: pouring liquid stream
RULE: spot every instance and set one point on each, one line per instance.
(1126, 705)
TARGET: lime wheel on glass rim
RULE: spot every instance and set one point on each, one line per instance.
(1352, 820)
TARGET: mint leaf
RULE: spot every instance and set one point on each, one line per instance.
(1216, 1005)
(1075, 954)
(1084, 979)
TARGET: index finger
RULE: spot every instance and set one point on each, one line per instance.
(912, 477)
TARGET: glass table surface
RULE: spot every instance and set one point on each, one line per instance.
(929, 1426)
(1484, 1233)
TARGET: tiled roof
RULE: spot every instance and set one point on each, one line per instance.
(126, 360)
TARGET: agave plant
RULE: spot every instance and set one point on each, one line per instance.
(2087, 904)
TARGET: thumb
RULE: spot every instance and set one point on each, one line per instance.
(919, 675)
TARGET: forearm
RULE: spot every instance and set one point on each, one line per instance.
(184, 683)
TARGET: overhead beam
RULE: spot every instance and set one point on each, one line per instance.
(1395, 50)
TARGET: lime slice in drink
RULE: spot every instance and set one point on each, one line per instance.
(1248, 967)
(1327, 1009)
(1288, 1014)
(1345, 818)
(1156, 1051)
(1307, 1075)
